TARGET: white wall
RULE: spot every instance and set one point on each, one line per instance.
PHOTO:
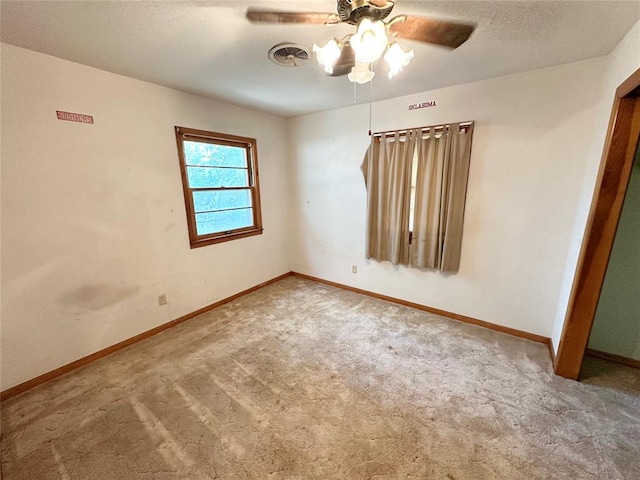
(621, 63)
(94, 224)
(616, 328)
(533, 133)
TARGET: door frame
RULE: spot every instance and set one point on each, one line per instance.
(618, 155)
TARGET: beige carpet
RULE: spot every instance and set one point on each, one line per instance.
(304, 381)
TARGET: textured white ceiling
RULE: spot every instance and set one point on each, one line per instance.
(209, 48)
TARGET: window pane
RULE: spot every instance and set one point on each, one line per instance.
(203, 177)
(205, 201)
(414, 180)
(412, 207)
(206, 154)
(223, 221)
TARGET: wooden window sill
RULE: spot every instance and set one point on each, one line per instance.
(225, 237)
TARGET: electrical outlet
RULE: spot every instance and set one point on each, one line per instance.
(162, 299)
(354, 269)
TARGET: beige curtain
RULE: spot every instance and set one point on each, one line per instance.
(387, 175)
(441, 189)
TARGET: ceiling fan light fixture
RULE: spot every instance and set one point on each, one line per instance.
(370, 40)
(361, 73)
(374, 36)
(397, 59)
(328, 55)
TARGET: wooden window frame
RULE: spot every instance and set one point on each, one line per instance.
(249, 144)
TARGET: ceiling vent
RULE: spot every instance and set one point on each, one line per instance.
(289, 54)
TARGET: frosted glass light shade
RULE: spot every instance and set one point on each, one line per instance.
(369, 41)
(328, 55)
(361, 73)
(397, 59)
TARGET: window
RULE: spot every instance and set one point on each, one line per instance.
(416, 191)
(412, 198)
(220, 181)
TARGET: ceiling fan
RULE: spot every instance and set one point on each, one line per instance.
(374, 36)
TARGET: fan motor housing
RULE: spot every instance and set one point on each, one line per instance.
(351, 11)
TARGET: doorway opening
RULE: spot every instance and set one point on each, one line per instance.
(615, 335)
(618, 156)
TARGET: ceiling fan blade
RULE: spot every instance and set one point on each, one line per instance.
(430, 30)
(345, 62)
(269, 16)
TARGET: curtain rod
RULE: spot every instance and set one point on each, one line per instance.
(463, 125)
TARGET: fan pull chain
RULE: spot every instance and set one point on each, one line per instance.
(370, 105)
